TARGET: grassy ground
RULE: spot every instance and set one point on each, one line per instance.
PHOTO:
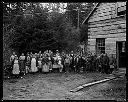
(117, 89)
(57, 86)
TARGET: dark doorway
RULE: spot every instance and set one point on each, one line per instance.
(121, 54)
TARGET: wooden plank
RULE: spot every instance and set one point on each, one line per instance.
(92, 40)
(113, 40)
(123, 25)
(116, 21)
(116, 35)
(113, 31)
(118, 39)
(108, 26)
(100, 17)
(92, 44)
(94, 33)
(106, 32)
(92, 48)
(111, 52)
(109, 46)
(93, 83)
(123, 22)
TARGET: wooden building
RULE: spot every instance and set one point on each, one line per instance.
(107, 30)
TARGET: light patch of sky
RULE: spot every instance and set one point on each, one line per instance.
(61, 9)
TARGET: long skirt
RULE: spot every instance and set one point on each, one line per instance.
(16, 69)
(22, 66)
(39, 64)
(61, 67)
(45, 68)
(33, 65)
(50, 65)
(67, 68)
(27, 69)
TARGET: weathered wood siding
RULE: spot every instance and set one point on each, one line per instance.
(104, 23)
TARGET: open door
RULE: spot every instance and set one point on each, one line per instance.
(121, 54)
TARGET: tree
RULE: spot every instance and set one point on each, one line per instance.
(73, 13)
(44, 30)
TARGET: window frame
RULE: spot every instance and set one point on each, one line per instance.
(100, 44)
(121, 11)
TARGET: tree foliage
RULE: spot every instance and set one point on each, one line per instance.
(43, 30)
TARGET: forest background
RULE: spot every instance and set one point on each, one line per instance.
(30, 26)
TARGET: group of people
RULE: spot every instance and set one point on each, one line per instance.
(48, 61)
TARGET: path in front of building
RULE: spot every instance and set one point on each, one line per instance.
(56, 86)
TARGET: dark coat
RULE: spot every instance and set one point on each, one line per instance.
(72, 61)
(81, 62)
(106, 60)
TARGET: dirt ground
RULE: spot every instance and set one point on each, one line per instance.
(57, 86)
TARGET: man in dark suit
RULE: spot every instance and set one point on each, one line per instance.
(72, 62)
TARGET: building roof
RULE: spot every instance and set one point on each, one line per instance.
(90, 13)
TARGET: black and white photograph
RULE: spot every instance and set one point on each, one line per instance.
(64, 51)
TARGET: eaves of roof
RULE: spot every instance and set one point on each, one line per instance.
(90, 13)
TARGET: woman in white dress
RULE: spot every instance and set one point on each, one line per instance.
(60, 63)
(33, 64)
(16, 69)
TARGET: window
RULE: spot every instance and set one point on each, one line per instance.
(121, 8)
(100, 45)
